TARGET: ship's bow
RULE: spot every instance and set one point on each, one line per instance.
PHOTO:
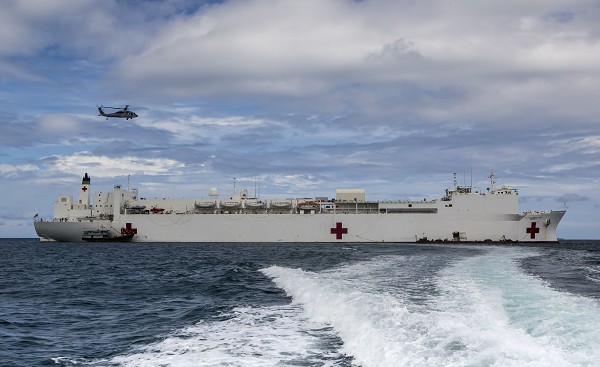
(540, 226)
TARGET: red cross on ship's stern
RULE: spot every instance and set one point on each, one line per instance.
(128, 229)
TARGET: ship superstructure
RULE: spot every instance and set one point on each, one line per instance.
(461, 215)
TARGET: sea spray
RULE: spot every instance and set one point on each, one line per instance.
(485, 311)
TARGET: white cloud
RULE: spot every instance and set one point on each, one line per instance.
(27, 21)
(586, 144)
(296, 183)
(486, 63)
(87, 28)
(572, 197)
(556, 168)
(307, 94)
(59, 124)
(103, 166)
(9, 170)
(194, 128)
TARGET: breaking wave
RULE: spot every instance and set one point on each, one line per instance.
(245, 336)
(484, 310)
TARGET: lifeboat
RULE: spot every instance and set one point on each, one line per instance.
(157, 210)
(255, 205)
(308, 205)
(138, 209)
(205, 205)
(280, 204)
(230, 204)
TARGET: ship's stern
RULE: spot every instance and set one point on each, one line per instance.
(66, 231)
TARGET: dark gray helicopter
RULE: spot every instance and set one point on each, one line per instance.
(121, 113)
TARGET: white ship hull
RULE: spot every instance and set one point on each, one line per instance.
(459, 217)
(315, 228)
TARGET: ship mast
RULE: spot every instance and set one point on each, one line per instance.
(492, 181)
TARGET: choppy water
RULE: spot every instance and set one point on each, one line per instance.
(299, 304)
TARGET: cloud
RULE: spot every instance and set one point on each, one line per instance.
(391, 96)
(16, 215)
(9, 170)
(69, 26)
(572, 166)
(14, 71)
(397, 51)
(104, 166)
(589, 144)
(185, 128)
(59, 123)
(310, 46)
(567, 198)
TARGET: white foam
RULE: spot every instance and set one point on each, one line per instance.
(376, 327)
(486, 307)
(593, 273)
(245, 337)
(593, 279)
(593, 269)
(484, 311)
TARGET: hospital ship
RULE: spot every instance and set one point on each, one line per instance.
(460, 215)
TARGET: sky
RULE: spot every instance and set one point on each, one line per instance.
(298, 98)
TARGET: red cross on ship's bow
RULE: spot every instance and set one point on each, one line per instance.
(533, 230)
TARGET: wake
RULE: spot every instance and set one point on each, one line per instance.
(482, 311)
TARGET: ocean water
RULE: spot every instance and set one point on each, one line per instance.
(299, 304)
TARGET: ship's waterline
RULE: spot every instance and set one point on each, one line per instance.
(461, 215)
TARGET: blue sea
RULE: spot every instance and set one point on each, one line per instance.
(156, 304)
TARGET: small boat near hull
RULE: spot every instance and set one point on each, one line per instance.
(105, 236)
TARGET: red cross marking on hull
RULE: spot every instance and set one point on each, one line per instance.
(338, 230)
(533, 230)
(129, 228)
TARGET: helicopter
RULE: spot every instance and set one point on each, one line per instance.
(121, 113)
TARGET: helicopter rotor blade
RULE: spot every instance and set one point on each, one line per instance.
(126, 108)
